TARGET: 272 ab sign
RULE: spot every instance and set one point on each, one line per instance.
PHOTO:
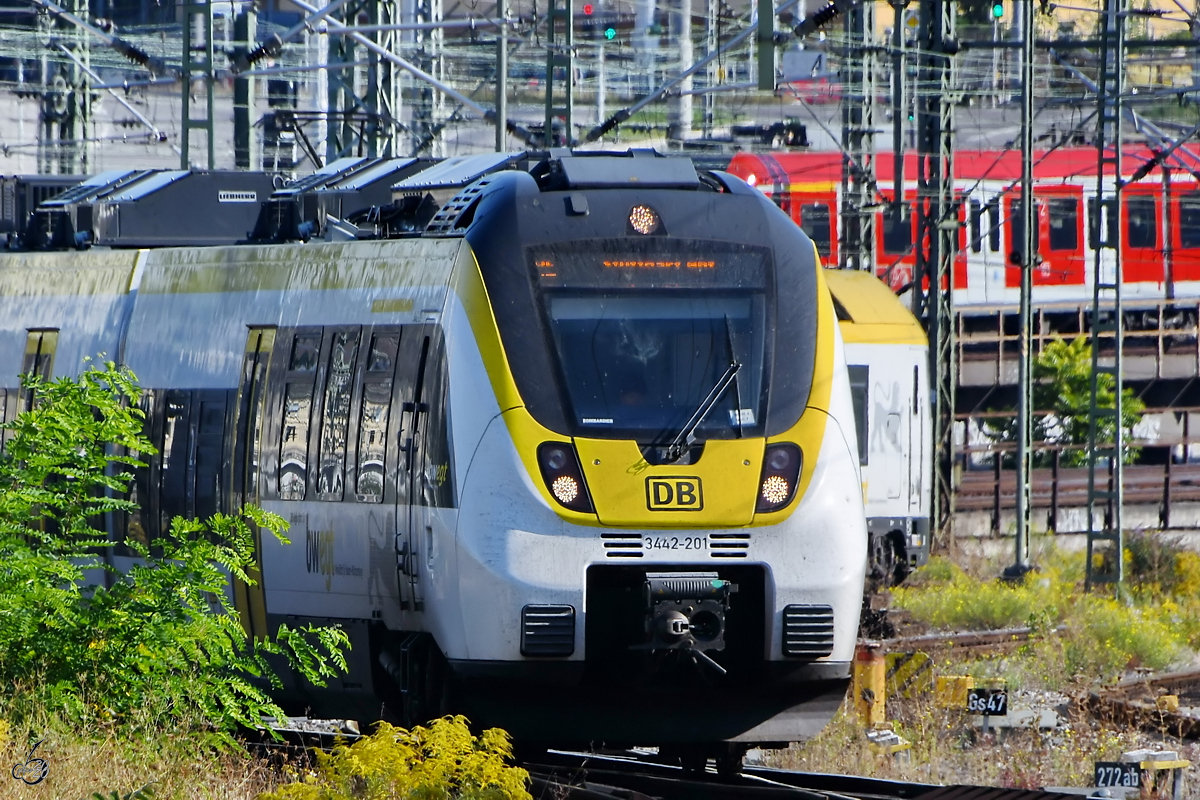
(1125, 774)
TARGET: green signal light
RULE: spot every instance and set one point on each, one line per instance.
(997, 10)
(610, 33)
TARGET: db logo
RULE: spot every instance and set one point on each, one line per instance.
(681, 493)
(33, 771)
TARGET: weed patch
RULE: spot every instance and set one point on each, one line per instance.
(442, 761)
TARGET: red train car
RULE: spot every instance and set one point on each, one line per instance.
(1160, 221)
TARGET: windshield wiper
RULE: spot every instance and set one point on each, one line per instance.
(687, 435)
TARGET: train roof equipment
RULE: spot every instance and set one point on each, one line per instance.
(21, 194)
(151, 208)
(868, 312)
(310, 206)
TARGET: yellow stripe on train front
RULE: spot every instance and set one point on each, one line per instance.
(719, 490)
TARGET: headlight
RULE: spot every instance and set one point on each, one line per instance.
(563, 477)
(780, 474)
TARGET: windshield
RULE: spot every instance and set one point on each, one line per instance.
(640, 363)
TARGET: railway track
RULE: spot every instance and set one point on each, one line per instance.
(1144, 483)
(643, 775)
(1140, 702)
(586, 776)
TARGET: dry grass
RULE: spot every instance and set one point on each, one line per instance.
(175, 766)
(1158, 626)
(947, 749)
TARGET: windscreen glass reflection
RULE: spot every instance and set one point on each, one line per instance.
(639, 364)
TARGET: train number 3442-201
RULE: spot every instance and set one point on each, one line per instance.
(675, 542)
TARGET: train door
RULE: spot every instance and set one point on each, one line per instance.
(1060, 241)
(916, 443)
(413, 364)
(1016, 239)
(895, 239)
(1141, 256)
(424, 484)
(1185, 262)
(245, 467)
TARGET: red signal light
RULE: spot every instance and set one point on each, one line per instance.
(588, 9)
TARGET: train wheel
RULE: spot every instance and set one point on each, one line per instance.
(729, 759)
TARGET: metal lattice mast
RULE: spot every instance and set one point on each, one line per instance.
(364, 102)
(384, 84)
(65, 112)
(198, 68)
(937, 239)
(1029, 260)
(1105, 431)
(560, 51)
(429, 110)
(712, 70)
(857, 248)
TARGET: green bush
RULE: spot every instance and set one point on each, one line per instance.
(1093, 636)
(160, 644)
(1062, 387)
(1105, 637)
(954, 601)
(441, 761)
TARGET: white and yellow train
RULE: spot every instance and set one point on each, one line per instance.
(579, 461)
(887, 353)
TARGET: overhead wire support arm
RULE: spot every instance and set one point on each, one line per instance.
(747, 33)
(487, 114)
(1143, 126)
(155, 65)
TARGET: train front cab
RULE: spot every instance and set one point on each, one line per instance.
(598, 520)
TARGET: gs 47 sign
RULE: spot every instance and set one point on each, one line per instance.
(990, 702)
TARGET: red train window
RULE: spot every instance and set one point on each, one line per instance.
(814, 220)
(897, 230)
(1141, 222)
(1064, 223)
(1189, 220)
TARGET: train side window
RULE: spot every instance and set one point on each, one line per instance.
(916, 396)
(814, 221)
(40, 344)
(373, 421)
(1141, 225)
(298, 394)
(897, 229)
(437, 480)
(976, 222)
(293, 445)
(172, 484)
(1064, 223)
(209, 452)
(1189, 220)
(1016, 226)
(859, 376)
(335, 417)
(993, 208)
(306, 350)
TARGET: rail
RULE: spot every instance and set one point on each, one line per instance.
(588, 776)
(1162, 339)
(1057, 487)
